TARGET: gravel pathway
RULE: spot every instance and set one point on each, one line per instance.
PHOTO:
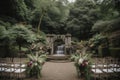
(59, 71)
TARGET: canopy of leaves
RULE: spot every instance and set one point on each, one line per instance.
(60, 16)
(82, 17)
(107, 26)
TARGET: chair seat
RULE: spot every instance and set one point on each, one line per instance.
(10, 70)
(93, 66)
(108, 70)
(101, 65)
(15, 65)
(98, 65)
(23, 65)
(97, 71)
(3, 64)
(116, 69)
(114, 65)
(2, 69)
(19, 70)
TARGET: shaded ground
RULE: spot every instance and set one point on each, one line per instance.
(59, 71)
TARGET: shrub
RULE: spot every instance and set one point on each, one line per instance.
(103, 51)
(115, 52)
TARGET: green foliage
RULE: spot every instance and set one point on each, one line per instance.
(22, 33)
(82, 60)
(17, 35)
(114, 39)
(35, 65)
(82, 64)
(57, 16)
(113, 25)
(5, 36)
(97, 40)
(109, 21)
(106, 5)
(103, 51)
(100, 26)
(106, 9)
(81, 18)
(98, 43)
(115, 52)
(60, 16)
(19, 32)
(49, 15)
(21, 9)
(37, 58)
(107, 26)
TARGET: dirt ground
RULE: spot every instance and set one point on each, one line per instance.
(59, 71)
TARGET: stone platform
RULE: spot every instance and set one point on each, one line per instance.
(58, 57)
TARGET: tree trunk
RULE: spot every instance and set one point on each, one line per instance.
(19, 48)
(40, 22)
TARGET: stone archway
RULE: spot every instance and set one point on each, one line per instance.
(51, 38)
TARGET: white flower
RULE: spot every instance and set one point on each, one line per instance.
(35, 64)
(80, 61)
(40, 61)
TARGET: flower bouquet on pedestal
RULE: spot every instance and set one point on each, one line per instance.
(82, 63)
(37, 58)
(35, 64)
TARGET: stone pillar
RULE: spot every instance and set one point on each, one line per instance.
(52, 46)
(68, 42)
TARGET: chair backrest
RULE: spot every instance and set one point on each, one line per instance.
(19, 60)
(100, 63)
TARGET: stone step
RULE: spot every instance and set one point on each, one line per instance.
(58, 57)
(60, 61)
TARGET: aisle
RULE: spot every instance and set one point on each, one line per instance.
(59, 71)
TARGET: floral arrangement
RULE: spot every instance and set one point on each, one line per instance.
(82, 60)
(35, 64)
(37, 58)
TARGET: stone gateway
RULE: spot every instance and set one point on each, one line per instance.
(56, 41)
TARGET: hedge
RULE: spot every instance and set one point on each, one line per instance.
(103, 51)
(115, 52)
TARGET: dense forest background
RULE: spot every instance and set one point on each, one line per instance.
(21, 19)
(61, 16)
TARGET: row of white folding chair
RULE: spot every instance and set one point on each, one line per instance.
(96, 69)
(12, 69)
(102, 66)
